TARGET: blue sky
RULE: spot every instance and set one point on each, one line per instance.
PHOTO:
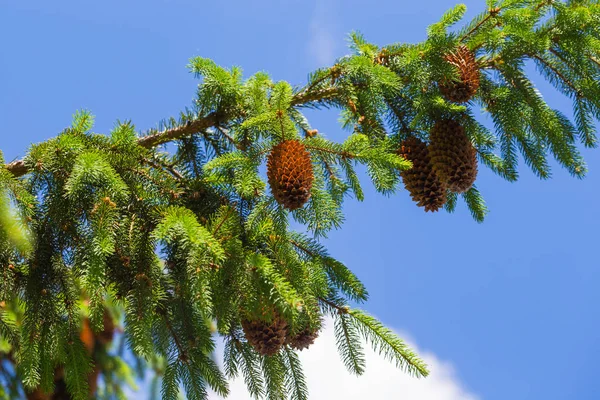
(511, 304)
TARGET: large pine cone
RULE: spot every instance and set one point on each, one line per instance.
(303, 339)
(290, 174)
(463, 89)
(453, 157)
(266, 338)
(422, 183)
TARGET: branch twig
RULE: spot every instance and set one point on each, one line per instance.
(558, 73)
(182, 353)
(169, 168)
(341, 310)
(492, 13)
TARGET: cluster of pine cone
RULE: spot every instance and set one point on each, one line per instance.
(449, 161)
(267, 338)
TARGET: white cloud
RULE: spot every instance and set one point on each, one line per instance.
(327, 378)
(322, 46)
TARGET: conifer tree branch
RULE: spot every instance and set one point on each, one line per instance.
(341, 310)
(492, 13)
(227, 136)
(176, 174)
(299, 246)
(320, 80)
(182, 352)
(222, 221)
(343, 154)
(308, 96)
(543, 4)
(18, 168)
(179, 132)
(558, 73)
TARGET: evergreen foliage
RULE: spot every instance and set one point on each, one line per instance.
(180, 247)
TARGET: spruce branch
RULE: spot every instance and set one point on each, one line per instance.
(227, 136)
(491, 14)
(187, 129)
(160, 166)
(305, 97)
(180, 349)
(343, 154)
(387, 343)
(19, 168)
(340, 309)
(558, 73)
(256, 256)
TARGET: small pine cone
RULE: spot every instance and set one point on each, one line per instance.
(303, 339)
(462, 90)
(266, 338)
(290, 174)
(421, 181)
(453, 156)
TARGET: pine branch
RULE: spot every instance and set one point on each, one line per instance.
(343, 154)
(340, 309)
(176, 174)
(19, 168)
(558, 73)
(492, 13)
(228, 137)
(188, 129)
(309, 97)
(385, 342)
(182, 353)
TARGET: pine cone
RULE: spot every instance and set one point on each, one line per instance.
(462, 90)
(266, 338)
(453, 157)
(422, 183)
(290, 174)
(303, 339)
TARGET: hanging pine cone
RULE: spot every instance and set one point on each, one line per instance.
(290, 174)
(422, 183)
(303, 339)
(453, 157)
(266, 338)
(463, 89)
